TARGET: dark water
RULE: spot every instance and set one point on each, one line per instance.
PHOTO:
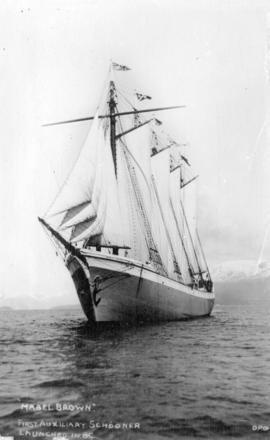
(206, 378)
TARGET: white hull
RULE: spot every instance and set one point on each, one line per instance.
(112, 288)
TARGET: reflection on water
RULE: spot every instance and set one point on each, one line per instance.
(205, 378)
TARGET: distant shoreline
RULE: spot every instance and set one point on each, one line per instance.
(64, 307)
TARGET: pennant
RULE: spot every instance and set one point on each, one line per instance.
(142, 97)
(117, 66)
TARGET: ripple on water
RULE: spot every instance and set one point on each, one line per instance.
(204, 378)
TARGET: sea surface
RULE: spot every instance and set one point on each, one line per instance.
(203, 378)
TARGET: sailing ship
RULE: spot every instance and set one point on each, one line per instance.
(124, 221)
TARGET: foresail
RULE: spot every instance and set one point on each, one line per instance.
(77, 189)
(81, 230)
(77, 214)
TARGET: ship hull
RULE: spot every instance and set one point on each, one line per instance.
(114, 289)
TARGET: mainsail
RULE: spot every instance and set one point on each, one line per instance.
(131, 188)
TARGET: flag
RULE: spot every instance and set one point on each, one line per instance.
(117, 66)
(142, 97)
(185, 160)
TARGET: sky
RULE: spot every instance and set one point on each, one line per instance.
(54, 57)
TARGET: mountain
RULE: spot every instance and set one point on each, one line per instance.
(240, 270)
(30, 302)
(241, 282)
(67, 307)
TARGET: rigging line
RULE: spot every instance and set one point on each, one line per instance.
(164, 223)
(190, 236)
(123, 141)
(203, 254)
(159, 139)
(181, 238)
(140, 203)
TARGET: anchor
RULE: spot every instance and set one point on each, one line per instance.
(95, 289)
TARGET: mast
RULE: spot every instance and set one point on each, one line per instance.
(191, 271)
(203, 255)
(191, 240)
(112, 108)
(175, 263)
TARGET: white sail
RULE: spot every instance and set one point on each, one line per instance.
(138, 145)
(77, 214)
(137, 155)
(79, 185)
(177, 225)
(189, 208)
(132, 227)
(91, 228)
(82, 229)
(105, 203)
(160, 180)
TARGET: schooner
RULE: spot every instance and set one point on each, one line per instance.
(124, 220)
